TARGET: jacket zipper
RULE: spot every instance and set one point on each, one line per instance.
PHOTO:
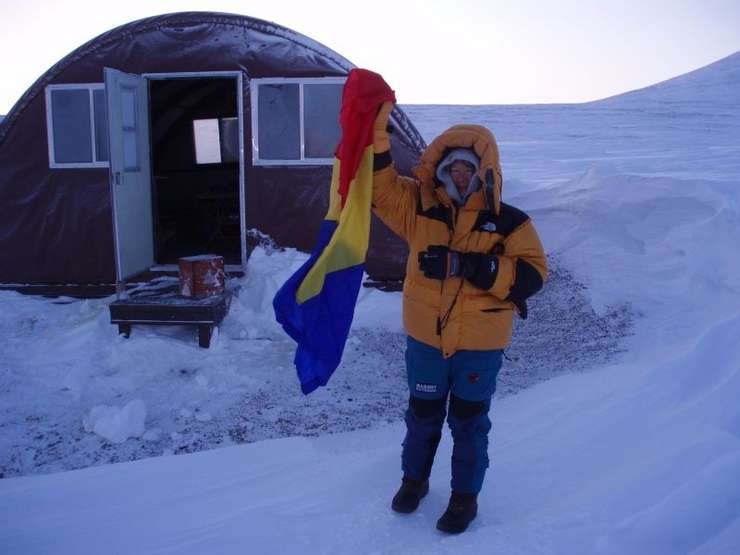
(440, 324)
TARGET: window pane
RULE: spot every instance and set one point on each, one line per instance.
(130, 153)
(101, 125)
(70, 116)
(229, 139)
(279, 122)
(207, 143)
(321, 105)
(128, 108)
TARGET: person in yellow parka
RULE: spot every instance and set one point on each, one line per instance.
(473, 262)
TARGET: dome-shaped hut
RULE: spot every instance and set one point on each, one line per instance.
(176, 135)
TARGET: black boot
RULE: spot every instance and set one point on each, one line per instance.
(460, 512)
(409, 494)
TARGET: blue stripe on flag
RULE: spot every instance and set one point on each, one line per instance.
(320, 325)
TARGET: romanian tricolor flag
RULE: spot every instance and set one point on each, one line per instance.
(316, 305)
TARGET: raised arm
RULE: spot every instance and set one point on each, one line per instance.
(394, 197)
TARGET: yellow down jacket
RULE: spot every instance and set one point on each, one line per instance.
(452, 314)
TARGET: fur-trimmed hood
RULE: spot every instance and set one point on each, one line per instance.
(479, 140)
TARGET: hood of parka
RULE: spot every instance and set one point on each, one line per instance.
(482, 142)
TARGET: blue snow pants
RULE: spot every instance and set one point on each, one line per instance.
(468, 378)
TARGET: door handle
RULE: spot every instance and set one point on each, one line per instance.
(117, 178)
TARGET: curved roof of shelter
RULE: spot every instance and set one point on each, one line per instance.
(312, 53)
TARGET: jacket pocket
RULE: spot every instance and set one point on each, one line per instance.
(485, 304)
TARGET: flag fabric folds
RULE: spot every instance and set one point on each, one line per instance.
(317, 303)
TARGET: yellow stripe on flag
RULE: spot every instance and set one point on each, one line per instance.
(348, 245)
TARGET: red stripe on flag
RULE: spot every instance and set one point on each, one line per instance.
(363, 94)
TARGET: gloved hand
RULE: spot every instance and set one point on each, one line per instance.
(480, 269)
(439, 262)
(381, 139)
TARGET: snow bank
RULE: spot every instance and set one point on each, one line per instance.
(635, 458)
(662, 244)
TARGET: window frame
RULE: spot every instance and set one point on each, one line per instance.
(254, 100)
(89, 87)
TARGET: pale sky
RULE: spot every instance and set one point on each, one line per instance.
(433, 51)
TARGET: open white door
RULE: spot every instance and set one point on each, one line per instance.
(130, 174)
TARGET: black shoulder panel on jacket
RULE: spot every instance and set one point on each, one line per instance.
(509, 219)
(382, 160)
(437, 212)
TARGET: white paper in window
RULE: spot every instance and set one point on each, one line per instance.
(207, 141)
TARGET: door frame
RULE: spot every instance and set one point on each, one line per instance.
(239, 76)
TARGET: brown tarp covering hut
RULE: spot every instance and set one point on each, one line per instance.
(202, 71)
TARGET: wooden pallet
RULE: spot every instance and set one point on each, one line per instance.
(160, 303)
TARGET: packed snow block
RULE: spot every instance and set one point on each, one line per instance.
(201, 276)
(117, 424)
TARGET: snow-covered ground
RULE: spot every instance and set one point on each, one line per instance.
(74, 402)
(632, 446)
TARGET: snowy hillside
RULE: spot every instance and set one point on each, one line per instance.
(714, 86)
(633, 446)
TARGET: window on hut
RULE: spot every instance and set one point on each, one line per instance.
(77, 126)
(296, 121)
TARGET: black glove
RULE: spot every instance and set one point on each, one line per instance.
(480, 269)
(439, 262)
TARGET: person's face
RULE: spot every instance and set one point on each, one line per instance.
(461, 174)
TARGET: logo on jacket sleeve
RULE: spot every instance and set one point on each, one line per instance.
(490, 227)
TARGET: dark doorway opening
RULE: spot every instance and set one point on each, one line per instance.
(195, 168)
